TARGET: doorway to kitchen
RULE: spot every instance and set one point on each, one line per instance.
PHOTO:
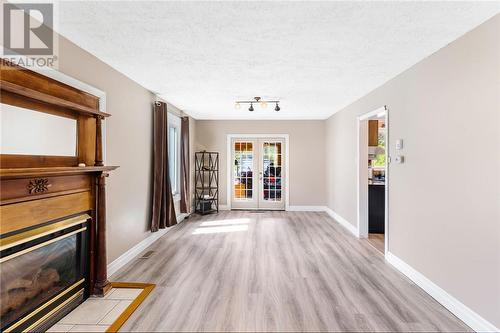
(373, 130)
(257, 172)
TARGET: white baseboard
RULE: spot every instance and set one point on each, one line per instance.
(290, 208)
(306, 208)
(342, 221)
(125, 258)
(468, 316)
(224, 207)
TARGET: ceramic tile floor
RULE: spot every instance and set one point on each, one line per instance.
(97, 314)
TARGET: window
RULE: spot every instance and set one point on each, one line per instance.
(380, 157)
(174, 151)
(243, 170)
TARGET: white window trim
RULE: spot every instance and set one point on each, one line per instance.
(175, 122)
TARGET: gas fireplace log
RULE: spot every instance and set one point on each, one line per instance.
(19, 292)
(33, 263)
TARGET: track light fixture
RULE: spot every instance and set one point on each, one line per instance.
(257, 100)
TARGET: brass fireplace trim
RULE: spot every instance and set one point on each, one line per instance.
(46, 304)
(8, 242)
(147, 288)
(17, 254)
(54, 310)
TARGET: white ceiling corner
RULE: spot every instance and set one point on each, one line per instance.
(317, 57)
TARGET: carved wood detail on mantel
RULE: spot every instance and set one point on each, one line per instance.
(38, 185)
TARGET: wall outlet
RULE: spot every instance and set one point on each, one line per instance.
(399, 159)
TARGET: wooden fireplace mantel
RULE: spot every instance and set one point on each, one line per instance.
(38, 190)
(12, 173)
(21, 90)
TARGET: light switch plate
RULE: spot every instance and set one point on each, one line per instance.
(399, 144)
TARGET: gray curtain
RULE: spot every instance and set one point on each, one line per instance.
(163, 211)
(185, 202)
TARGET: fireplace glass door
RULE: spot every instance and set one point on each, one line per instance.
(39, 272)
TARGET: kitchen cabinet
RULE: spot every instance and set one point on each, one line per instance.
(376, 209)
(372, 133)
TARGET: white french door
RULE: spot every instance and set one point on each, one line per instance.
(258, 172)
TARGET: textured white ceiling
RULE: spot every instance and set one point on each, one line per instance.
(317, 57)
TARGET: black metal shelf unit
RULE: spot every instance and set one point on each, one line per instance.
(206, 182)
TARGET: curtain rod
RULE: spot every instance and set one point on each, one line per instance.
(170, 107)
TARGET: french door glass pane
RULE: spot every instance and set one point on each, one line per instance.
(271, 176)
(243, 170)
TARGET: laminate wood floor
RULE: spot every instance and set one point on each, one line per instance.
(377, 241)
(276, 271)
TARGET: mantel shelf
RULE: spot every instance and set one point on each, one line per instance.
(40, 96)
(51, 171)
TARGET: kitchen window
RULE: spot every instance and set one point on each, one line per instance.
(174, 148)
(380, 156)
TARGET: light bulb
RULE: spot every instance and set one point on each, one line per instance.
(237, 106)
(263, 104)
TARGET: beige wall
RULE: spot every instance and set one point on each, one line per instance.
(128, 144)
(306, 160)
(444, 212)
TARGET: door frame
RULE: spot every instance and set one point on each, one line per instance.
(362, 170)
(229, 165)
